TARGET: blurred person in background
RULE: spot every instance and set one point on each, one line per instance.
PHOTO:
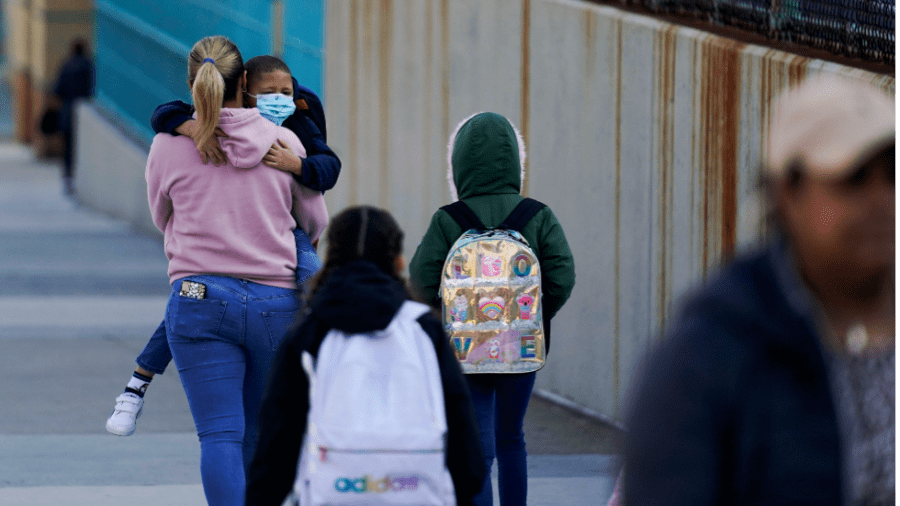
(75, 81)
(774, 384)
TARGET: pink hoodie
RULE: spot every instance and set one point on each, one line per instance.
(234, 220)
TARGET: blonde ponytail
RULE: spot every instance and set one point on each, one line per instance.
(208, 92)
(214, 67)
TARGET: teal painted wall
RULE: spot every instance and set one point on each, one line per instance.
(142, 48)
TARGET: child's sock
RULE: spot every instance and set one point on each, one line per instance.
(138, 384)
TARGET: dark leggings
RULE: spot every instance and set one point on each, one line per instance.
(500, 402)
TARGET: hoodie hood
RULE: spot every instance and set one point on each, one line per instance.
(358, 297)
(486, 156)
(315, 112)
(249, 136)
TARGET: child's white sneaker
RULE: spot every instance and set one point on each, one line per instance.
(128, 409)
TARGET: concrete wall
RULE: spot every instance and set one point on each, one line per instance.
(642, 137)
(109, 169)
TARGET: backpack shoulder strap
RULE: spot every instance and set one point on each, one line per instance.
(463, 215)
(522, 214)
(412, 310)
(309, 366)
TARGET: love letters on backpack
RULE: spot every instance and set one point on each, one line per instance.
(491, 294)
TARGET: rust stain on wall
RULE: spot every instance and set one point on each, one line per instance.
(445, 79)
(666, 46)
(705, 105)
(526, 82)
(588, 84)
(721, 70)
(366, 164)
(797, 70)
(660, 60)
(731, 112)
(590, 57)
(617, 276)
(427, 119)
(589, 28)
(695, 144)
(385, 33)
(765, 98)
(352, 106)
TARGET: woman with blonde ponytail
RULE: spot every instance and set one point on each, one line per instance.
(232, 261)
(216, 69)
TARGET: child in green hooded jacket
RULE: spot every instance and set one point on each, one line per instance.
(486, 157)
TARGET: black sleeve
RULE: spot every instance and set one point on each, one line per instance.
(321, 167)
(169, 116)
(465, 459)
(282, 424)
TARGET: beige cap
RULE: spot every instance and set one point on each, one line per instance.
(830, 125)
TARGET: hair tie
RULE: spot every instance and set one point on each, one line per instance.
(210, 60)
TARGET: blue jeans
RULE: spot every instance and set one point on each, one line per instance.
(156, 355)
(308, 262)
(500, 402)
(224, 347)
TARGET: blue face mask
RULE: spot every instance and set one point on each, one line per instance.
(275, 107)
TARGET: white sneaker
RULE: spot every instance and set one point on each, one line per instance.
(128, 409)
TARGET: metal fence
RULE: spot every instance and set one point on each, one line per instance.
(861, 29)
(142, 47)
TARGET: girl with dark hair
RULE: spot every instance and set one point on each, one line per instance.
(486, 172)
(232, 261)
(359, 290)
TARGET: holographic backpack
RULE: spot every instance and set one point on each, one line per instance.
(491, 294)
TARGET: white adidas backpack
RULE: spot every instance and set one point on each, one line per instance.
(376, 432)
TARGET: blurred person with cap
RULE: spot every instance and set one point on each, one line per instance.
(774, 383)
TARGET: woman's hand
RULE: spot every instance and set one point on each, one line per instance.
(281, 157)
(210, 151)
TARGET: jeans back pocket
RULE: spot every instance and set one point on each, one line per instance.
(280, 324)
(195, 319)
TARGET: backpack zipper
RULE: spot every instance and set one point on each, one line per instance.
(323, 451)
(347, 450)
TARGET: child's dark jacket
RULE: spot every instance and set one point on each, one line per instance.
(486, 172)
(357, 298)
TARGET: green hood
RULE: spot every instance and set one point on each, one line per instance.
(486, 157)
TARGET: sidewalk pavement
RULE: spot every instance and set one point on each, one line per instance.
(80, 293)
